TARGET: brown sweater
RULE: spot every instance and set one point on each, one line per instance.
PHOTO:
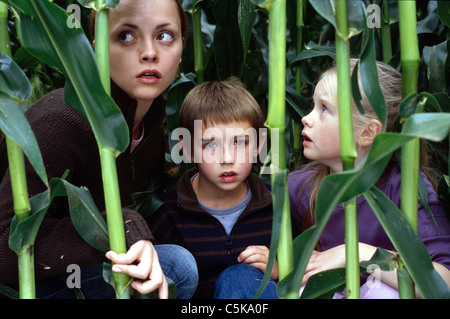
(67, 142)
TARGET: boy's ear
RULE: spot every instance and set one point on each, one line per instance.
(369, 133)
(185, 150)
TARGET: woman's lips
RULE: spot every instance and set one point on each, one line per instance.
(149, 76)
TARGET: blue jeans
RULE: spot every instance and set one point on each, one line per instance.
(241, 281)
(176, 262)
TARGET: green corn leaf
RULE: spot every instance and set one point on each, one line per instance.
(356, 19)
(444, 12)
(435, 58)
(340, 187)
(23, 234)
(227, 29)
(246, 19)
(324, 284)
(296, 104)
(46, 36)
(369, 77)
(410, 247)
(84, 214)
(92, 4)
(13, 80)
(86, 217)
(384, 259)
(279, 190)
(14, 124)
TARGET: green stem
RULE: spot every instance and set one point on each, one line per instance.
(16, 161)
(5, 46)
(198, 42)
(113, 206)
(102, 43)
(386, 33)
(27, 288)
(277, 123)
(406, 288)
(116, 230)
(410, 58)
(351, 249)
(298, 84)
(22, 209)
(348, 150)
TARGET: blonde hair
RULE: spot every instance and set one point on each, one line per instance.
(220, 102)
(390, 81)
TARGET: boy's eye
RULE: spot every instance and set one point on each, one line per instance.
(240, 142)
(165, 37)
(210, 146)
(126, 37)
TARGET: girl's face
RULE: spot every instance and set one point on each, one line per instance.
(145, 47)
(321, 127)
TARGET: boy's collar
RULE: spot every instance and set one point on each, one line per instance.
(187, 198)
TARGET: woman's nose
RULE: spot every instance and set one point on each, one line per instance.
(149, 52)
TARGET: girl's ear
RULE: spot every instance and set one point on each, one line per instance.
(369, 133)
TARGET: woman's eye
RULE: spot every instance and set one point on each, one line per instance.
(165, 37)
(125, 37)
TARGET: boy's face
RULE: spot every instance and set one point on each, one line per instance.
(321, 128)
(145, 47)
(225, 153)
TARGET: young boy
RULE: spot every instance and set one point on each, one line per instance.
(220, 211)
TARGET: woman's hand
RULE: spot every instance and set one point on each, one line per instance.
(147, 268)
(258, 257)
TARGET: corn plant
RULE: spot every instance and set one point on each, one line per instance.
(277, 125)
(18, 83)
(85, 91)
(410, 152)
(107, 156)
(251, 39)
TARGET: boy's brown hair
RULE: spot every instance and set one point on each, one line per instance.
(220, 102)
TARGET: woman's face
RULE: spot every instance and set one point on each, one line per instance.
(145, 47)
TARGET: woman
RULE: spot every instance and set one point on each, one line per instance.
(146, 42)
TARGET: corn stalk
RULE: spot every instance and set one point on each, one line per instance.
(22, 205)
(348, 151)
(113, 205)
(386, 33)
(410, 155)
(299, 45)
(276, 123)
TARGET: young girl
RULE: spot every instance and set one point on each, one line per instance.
(146, 43)
(321, 145)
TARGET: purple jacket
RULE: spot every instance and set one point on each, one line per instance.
(435, 238)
